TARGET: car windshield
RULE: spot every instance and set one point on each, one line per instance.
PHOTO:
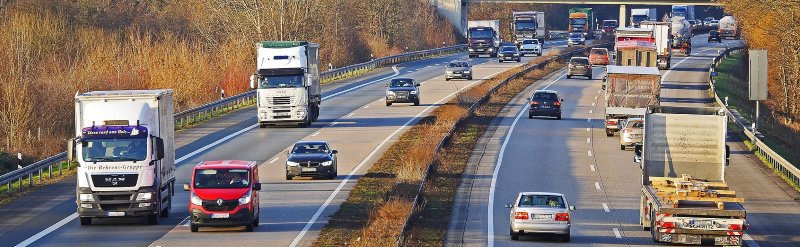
(525, 25)
(221, 178)
(713, 33)
(542, 201)
(402, 83)
(481, 34)
(286, 81)
(509, 49)
(545, 96)
(459, 64)
(530, 42)
(310, 148)
(114, 149)
(576, 36)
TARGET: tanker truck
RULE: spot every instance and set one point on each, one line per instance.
(681, 35)
(729, 28)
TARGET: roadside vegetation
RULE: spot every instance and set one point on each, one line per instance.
(53, 49)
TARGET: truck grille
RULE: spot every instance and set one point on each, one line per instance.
(124, 197)
(282, 100)
(122, 180)
(227, 205)
(480, 45)
(115, 207)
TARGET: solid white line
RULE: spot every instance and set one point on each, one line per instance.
(592, 167)
(597, 185)
(48, 230)
(273, 160)
(396, 72)
(616, 233)
(605, 207)
(369, 156)
(750, 242)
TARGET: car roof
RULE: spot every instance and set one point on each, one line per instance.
(459, 61)
(227, 164)
(541, 193)
(546, 91)
(310, 142)
(599, 49)
(579, 58)
(402, 78)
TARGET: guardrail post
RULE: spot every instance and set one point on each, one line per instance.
(50, 172)
(30, 179)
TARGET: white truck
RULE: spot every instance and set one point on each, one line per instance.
(635, 47)
(685, 11)
(729, 28)
(629, 90)
(640, 15)
(685, 197)
(287, 83)
(528, 25)
(483, 38)
(125, 154)
(681, 35)
(661, 33)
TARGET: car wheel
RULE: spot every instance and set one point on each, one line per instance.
(530, 116)
(609, 133)
(622, 147)
(289, 177)
(565, 237)
(153, 219)
(194, 228)
(514, 235)
(569, 76)
(248, 227)
(256, 221)
(470, 78)
(85, 221)
(447, 79)
(262, 125)
(416, 103)
(388, 104)
(558, 117)
(540, 54)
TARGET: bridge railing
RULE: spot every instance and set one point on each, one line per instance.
(204, 112)
(772, 159)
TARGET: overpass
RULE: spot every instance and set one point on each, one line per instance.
(456, 10)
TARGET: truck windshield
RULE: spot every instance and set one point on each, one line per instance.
(114, 149)
(638, 18)
(528, 25)
(285, 81)
(609, 24)
(678, 12)
(481, 34)
(221, 179)
(577, 21)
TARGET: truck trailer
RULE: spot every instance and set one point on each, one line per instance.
(629, 90)
(635, 47)
(685, 197)
(287, 83)
(124, 147)
(729, 28)
(661, 35)
(483, 38)
(528, 25)
(681, 35)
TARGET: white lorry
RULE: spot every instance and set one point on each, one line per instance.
(287, 83)
(635, 47)
(125, 154)
(661, 33)
(629, 90)
(483, 38)
(681, 35)
(685, 11)
(529, 25)
(685, 198)
(640, 15)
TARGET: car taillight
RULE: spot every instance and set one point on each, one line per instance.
(521, 216)
(628, 131)
(571, 66)
(667, 224)
(588, 66)
(533, 102)
(612, 122)
(556, 103)
(562, 217)
(735, 227)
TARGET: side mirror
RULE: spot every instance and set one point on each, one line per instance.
(257, 186)
(334, 152)
(286, 152)
(159, 148)
(572, 208)
(562, 100)
(187, 187)
(70, 150)
(387, 86)
(528, 99)
(508, 205)
(417, 85)
(252, 81)
(309, 81)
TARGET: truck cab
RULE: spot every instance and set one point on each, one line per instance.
(224, 193)
(482, 41)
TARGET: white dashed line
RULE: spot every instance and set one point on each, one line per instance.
(381, 99)
(351, 114)
(594, 104)
(592, 167)
(750, 242)
(276, 158)
(588, 120)
(334, 123)
(588, 129)
(605, 207)
(588, 140)
(599, 91)
(597, 185)
(366, 106)
(590, 111)
(595, 97)
(616, 233)
(590, 152)
(315, 134)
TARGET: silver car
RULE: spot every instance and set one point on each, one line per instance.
(540, 212)
(458, 69)
(631, 133)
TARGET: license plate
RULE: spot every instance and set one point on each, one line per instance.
(220, 216)
(283, 114)
(542, 216)
(401, 97)
(480, 49)
(309, 169)
(116, 213)
(545, 106)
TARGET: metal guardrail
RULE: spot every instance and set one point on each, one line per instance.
(207, 111)
(773, 159)
(471, 109)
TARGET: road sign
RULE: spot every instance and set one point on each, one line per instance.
(758, 75)
(714, 74)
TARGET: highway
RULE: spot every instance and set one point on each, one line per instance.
(574, 157)
(353, 119)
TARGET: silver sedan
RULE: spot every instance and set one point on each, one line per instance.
(458, 69)
(540, 212)
(631, 133)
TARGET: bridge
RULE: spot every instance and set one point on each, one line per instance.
(456, 10)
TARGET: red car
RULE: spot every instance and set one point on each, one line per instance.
(224, 193)
(599, 56)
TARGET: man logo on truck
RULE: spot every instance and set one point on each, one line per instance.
(114, 181)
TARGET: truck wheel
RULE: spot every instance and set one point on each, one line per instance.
(446, 79)
(256, 221)
(85, 221)
(514, 235)
(569, 76)
(153, 218)
(653, 228)
(622, 147)
(194, 227)
(262, 125)
(165, 211)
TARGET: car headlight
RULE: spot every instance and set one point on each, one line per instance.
(144, 196)
(245, 199)
(291, 163)
(389, 92)
(491, 49)
(413, 92)
(516, 54)
(467, 72)
(195, 200)
(86, 197)
(470, 49)
(327, 163)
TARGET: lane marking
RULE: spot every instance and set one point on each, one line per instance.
(315, 134)
(334, 123)
(588, 129)
(396, 72)
(366, 106)
(590, 152)
(590, 111)
(351, 114)
(588, 119)
(273, 160)
(594, 104)
(750, 242)
(598, 91)
(48, 230)
(595, 97)
(588, 140)
(369, 156)
(605, 207)
(597, 185)
(616, 233)
(381, 99)
(592, 167)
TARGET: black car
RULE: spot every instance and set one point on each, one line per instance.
(508, 53)
(714, 35)
(402, 90)
(545, 103)
(311, 158)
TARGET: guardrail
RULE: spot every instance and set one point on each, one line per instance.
(207, 111)
(471, 109)
(773, 160)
